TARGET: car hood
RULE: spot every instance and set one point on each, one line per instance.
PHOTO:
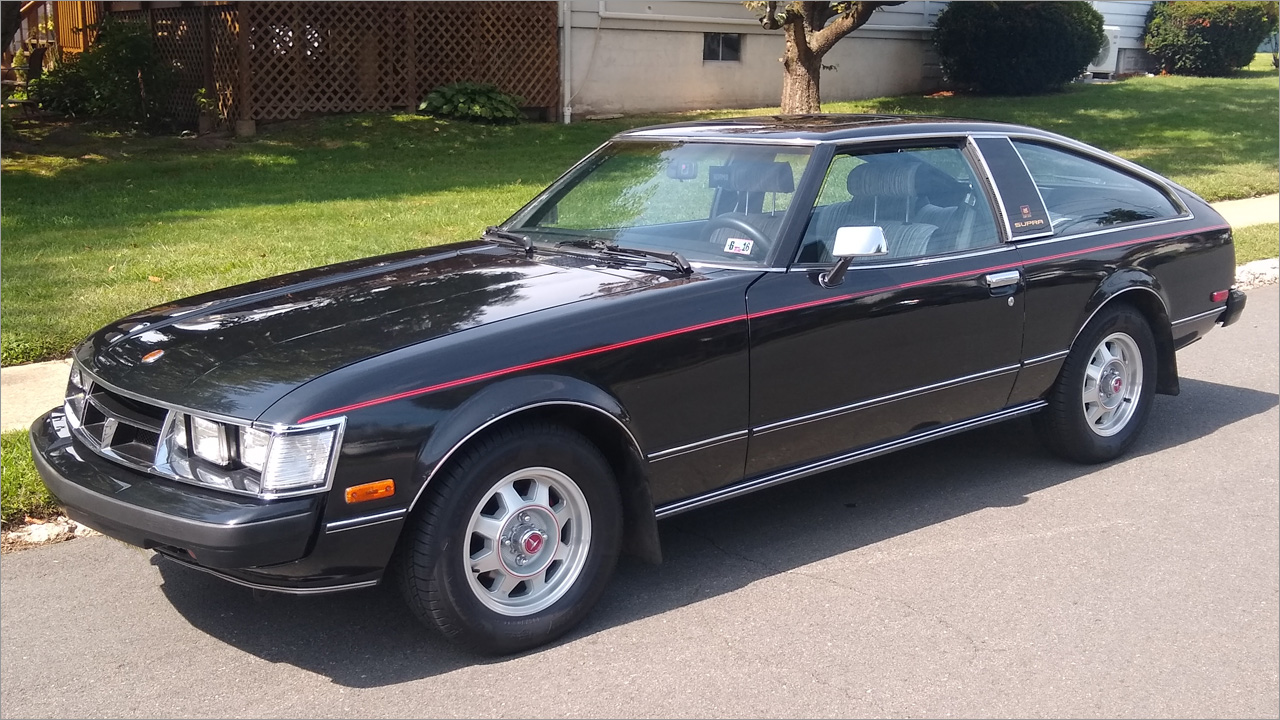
(236, 351)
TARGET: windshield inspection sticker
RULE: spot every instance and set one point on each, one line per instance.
(738, 246)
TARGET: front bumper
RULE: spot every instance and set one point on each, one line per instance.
(276, 545)
(214, 530)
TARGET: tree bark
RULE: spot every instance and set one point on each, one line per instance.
(808, 38)
(802, 73)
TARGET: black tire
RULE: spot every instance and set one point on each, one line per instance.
(1092, 432)
(495, 611)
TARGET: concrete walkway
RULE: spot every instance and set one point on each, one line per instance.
(27, 391)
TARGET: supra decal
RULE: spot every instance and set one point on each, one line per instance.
(724, 321)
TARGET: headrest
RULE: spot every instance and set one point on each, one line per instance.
(754, 177)
(883, 178)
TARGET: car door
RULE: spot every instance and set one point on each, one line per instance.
(925, 336)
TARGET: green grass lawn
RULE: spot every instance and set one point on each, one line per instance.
(21, 491)
(96, 225)
(1257, 242)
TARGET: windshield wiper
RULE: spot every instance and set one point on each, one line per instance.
(524, 241)
(673, 258)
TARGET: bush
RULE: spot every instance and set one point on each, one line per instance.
(120, 77)
(1016, 48)
(473, 101)
(1207, 38)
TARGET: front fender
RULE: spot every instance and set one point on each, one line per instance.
(506, 398)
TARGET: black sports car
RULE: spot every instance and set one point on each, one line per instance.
(690, 313)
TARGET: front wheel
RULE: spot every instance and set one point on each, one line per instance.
(1103, 394)
(517, 541)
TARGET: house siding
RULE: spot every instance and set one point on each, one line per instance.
(635, 57)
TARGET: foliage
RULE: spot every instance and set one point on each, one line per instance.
(120, 77)
(476, 102)
(206, 102)
(811, 29)
(22, 493)
(1207, 38)
(1016, 48)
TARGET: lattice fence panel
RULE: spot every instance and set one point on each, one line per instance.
(224, 29)
(356, 56)
(510, 44)
(179, 38)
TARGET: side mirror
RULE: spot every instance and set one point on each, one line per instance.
(853, 242)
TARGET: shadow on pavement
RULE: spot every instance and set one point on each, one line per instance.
(369, 639)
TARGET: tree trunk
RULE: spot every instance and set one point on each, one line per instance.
(801, 71)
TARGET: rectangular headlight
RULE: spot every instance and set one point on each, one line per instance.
(253, 447)
(209, 441)
(285, 460)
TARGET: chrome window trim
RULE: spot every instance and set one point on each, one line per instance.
(1199, 316)
(1104, 231)
(699, 445)
(923, 260)
(764, 481)
(995, 186)
(444, 459)
(872, 402)
(365, 520)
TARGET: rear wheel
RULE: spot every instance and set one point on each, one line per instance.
(1103, 394)
(517, 542)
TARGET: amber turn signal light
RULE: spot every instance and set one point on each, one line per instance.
(371, 491)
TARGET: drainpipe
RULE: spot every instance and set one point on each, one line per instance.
(566, 59)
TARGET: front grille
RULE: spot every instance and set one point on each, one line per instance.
(122, 428)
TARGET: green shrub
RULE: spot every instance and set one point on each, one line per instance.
(1016, 48)
(472, 101)
(1207, 38)
(120, 77)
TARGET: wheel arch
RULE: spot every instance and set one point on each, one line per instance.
(1142, 291)
(585, 409)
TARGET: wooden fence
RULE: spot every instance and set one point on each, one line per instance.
(281, 60)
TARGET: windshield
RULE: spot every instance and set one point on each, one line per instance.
(711, 202)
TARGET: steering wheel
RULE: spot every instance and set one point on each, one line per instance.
(759, 241)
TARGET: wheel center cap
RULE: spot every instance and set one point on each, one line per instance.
(533, 541)
(528, 541)
(1116, 384)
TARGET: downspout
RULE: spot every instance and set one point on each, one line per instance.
(566, 60)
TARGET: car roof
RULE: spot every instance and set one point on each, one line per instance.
(814, 129)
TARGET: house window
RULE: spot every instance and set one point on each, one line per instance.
(722, 46)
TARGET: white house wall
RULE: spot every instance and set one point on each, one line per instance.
(635, 57)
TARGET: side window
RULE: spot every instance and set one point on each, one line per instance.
(1082, 194)
(925, 199)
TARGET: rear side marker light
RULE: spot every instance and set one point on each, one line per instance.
(371, 491)
(1219, 296)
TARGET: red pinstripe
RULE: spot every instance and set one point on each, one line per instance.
(724, 321)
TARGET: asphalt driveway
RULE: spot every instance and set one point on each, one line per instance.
(977, 576)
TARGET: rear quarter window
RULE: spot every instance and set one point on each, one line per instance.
(1082, 194)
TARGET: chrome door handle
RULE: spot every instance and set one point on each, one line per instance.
(1001, 279)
